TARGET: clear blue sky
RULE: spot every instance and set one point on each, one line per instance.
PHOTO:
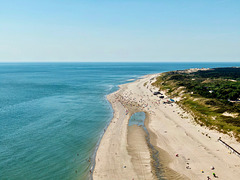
(119, 30)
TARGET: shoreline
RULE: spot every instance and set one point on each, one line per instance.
(93, 157)
(169, 133)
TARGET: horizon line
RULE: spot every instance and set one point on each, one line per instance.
(120, 62)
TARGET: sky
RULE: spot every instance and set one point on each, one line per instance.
(119, 30)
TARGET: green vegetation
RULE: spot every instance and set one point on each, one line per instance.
(211, 95)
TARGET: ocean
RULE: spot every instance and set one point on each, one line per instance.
(52, 115)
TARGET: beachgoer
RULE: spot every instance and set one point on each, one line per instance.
(212, 168)
(214, 175)
(208, 178)
(177, 155)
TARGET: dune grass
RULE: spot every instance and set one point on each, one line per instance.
(207, 110)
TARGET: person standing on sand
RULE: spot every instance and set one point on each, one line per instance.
(214, 175)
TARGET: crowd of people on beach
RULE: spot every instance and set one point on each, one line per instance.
(141, 101)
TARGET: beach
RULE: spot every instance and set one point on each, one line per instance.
(186, 150)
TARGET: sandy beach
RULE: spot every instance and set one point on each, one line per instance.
(186, 150)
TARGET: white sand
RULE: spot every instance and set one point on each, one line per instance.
(173, 131)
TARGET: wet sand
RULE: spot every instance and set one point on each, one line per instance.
(139, 152)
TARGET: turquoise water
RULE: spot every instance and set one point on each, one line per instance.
(52, 115)
(137, 119)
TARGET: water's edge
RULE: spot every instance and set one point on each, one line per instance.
(93, 158)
